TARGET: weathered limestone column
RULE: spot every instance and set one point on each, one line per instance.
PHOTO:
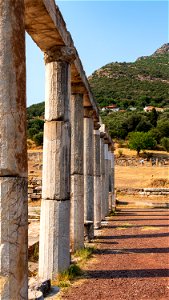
(54, 253)
(13, 153)
(77, 178)
(110, 180)
(88, 175)
(113, 177)
(102, 178)
(106, 158)
(97, 180)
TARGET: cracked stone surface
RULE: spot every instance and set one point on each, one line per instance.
(13, 238)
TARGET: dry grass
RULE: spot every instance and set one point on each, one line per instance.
(138, 177)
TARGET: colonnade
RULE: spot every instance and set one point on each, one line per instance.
(78, 168)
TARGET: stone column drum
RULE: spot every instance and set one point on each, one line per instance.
(106, 159)
(110, 180)
(54, 252)
(102, 178)
(77, 178)
(88, 175)
(97, 180)
(113, 177)
(13, 153)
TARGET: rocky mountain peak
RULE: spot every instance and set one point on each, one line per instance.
(162, 50)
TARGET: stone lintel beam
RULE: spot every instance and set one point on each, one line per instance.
(46, 26)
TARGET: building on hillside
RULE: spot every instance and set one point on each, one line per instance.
(150, 108)
(112, 107)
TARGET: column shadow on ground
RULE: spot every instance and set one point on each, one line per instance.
(144, 273)
(131, 251)
(129, 236)
(124, 220)
(134, 226)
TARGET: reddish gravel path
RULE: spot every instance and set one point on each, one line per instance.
(132, 260)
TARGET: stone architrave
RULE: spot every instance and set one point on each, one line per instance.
(97, 179)
(13, 153)
(77, 177)
(54, 250)
(88, 173)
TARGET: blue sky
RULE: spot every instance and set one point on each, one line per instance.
(103, 32)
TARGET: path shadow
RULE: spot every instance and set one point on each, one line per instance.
(132, 250)
(145, 273)
(129, 220)
(138, 215)
(134, 226)
(129, 236)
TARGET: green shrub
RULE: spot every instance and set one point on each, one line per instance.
(38, 139)
(165, 143)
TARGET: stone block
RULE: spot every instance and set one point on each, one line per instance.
(77, 134)
(97, 201)
(54, 250)
(56, 161)
(102, 163)
(88, 198)
(57, 91)
(88, 146)
(13, 238)
(13, 148)
(103, 209)
(77, 212)
(96, 155)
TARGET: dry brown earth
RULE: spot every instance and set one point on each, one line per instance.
(132, 259)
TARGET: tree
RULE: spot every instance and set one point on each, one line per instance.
(165, 143)
(143, 125)
(163, 127)
(38, 139)
(141, 140)
(153, 117)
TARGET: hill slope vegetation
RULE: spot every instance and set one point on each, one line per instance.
(143, 82)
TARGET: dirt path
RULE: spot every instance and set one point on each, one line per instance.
(132, 259)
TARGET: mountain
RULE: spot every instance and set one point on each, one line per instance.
(140, 83)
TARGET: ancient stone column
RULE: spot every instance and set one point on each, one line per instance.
(102, 177)
(106, 159)
(13, 153)
(113, 185)
(77, 178)
(97, 180)
(88, 175)
(54, 253)
(110, 180)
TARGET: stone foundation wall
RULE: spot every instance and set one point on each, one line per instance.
(34, 189)
(144, 191)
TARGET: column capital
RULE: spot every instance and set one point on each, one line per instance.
(96, 125)
(88, 112)
(60, 53)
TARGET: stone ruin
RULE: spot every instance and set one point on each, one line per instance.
(78, 159)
